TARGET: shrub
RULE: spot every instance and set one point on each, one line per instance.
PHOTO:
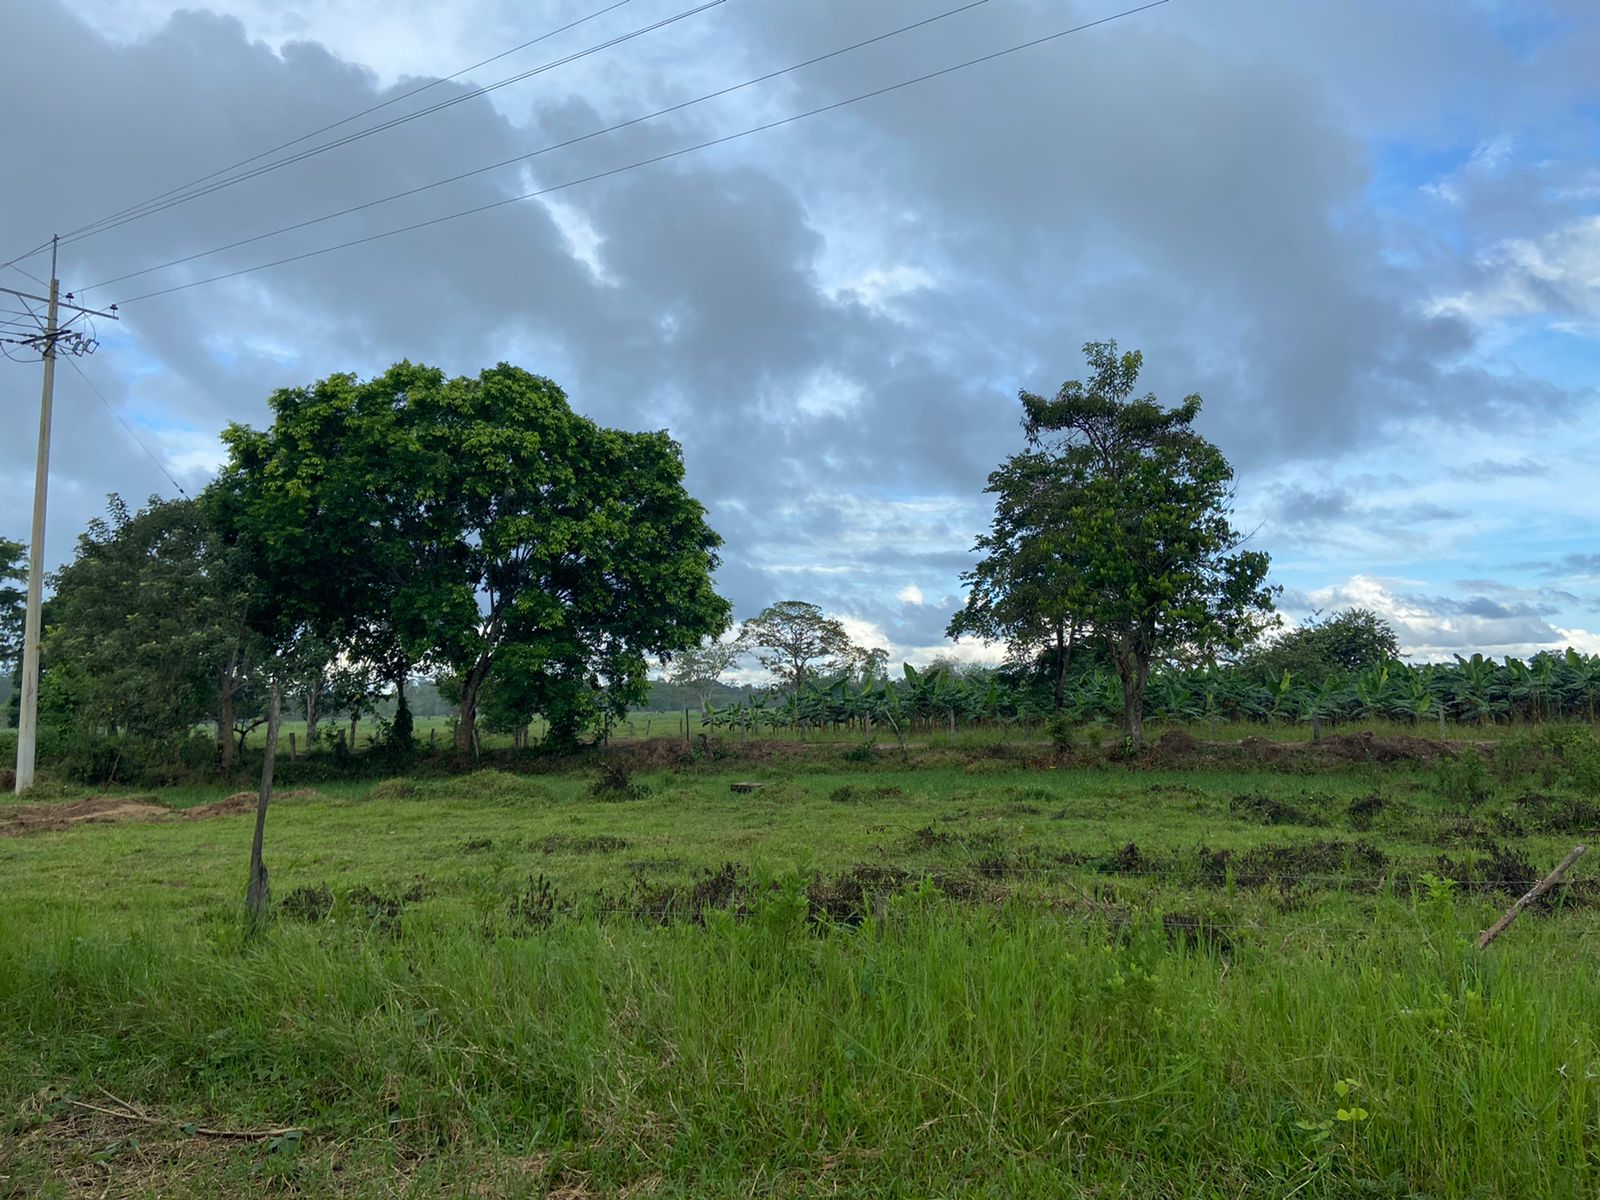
(1553, 755)
(99, 759)
(1464, 781)
(615, 783)
(1062, 735)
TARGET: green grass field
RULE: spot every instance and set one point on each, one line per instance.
(965, 973)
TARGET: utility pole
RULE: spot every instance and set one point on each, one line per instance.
(51, 338)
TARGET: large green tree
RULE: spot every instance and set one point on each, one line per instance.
(147, 631)
(1118, 518)
(415, 516)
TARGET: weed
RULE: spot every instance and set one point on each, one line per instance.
(399, 788)
(309, 904)
(534, 906)
(1062, 735)
(599, 843)
(1464, 781)
(382, 911)
(854, 793)
(1269, 810)
(616, 783)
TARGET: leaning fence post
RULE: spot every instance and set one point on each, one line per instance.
(1538, 889)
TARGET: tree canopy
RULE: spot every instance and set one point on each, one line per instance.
(13, 601)
(1344, 642)
(796, 640)
(147, 629)
(700, 668)
(1116, 521)
(477, 521)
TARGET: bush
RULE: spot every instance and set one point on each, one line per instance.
(1464, 781)
(1552, 755)
(615, 783)
(1062, 735)
(100, 760)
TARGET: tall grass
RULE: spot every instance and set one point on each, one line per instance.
(935, 1050)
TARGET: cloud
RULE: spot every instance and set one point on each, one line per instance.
(834, 318)
(1556, 275)
(910, 594)
(1433, 628)
(1568, 566)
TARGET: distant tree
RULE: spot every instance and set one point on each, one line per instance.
(869, 664)
(1345, 642)
(700, 668)
(417, 516)
(13, 601)
(13, 607)
(351, 691)
(795, 640)
(1353, 640)
(148, 630)
(1138, 515)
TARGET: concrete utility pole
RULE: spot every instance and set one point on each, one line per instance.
(50, 339)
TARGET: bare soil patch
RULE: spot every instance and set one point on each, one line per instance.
(19, 819)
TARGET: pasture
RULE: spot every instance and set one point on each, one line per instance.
(975, 969)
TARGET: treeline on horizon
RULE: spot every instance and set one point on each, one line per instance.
(470, 547)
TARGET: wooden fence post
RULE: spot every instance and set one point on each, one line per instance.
(291, 746)
(1538, 889)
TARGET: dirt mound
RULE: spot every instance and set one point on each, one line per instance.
(240, 802)
(1178, 747)
(96, 810)
(1369, 747)
(19, 819)
(1178, 741)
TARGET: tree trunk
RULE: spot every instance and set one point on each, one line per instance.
(403, 724)
(313, 694)
(467, 715)
(227, 686)
(257, 895)
(1058, 700)
(1135, 671)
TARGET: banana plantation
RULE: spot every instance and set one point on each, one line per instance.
(1468, 691)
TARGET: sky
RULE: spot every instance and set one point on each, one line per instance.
(1367, 234)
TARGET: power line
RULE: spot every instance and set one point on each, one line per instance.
(184, 197)
(432, 83)
(22, 271)
(572, 141)
(160, 466)
(762, 128)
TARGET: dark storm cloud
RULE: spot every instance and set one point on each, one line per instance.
(1184, 185)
